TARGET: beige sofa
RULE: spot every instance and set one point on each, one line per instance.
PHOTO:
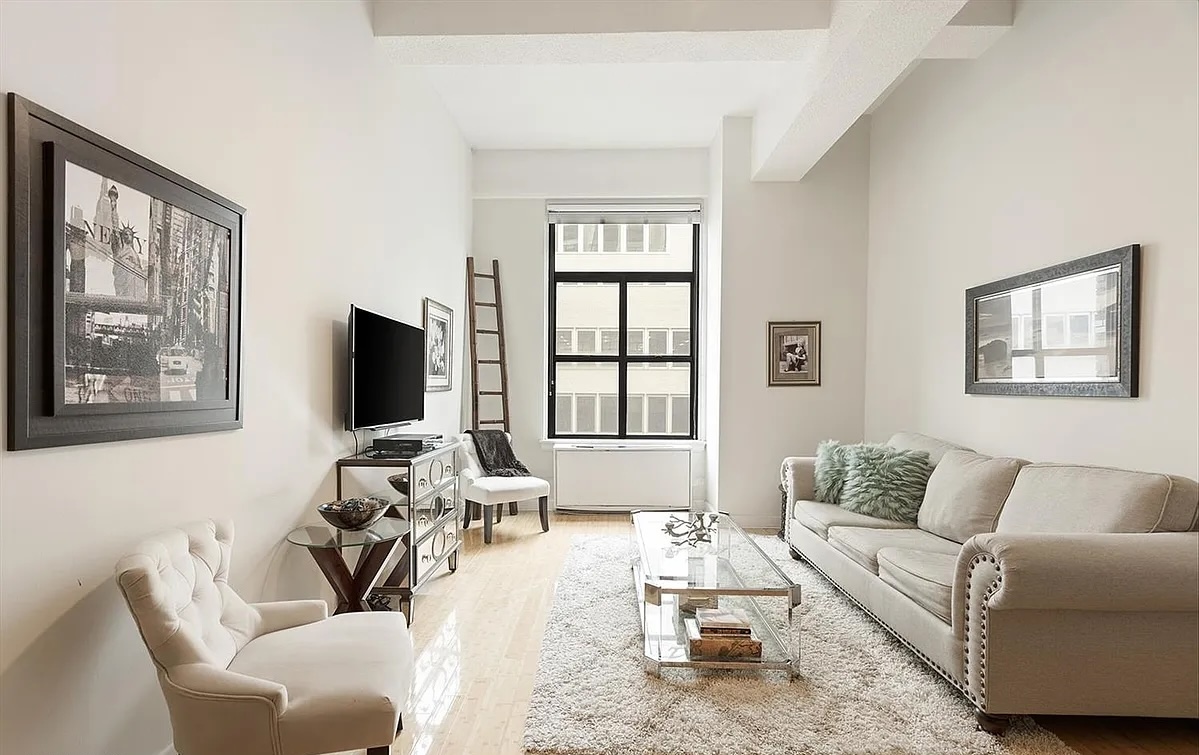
(1032, 588)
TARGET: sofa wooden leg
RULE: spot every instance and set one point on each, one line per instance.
(995, 725)
(796, 554)
(488, 523)
(378, 750)
(543, 508)
(400, 725)
(469, 507)
(512, 509)
(499, 513)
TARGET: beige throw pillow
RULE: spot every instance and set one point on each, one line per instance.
(965, 493)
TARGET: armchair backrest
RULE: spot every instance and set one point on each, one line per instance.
(177, 587)
(470, 455)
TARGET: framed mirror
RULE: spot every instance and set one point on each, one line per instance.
(1066, 330)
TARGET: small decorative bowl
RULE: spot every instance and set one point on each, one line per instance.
(354, 513)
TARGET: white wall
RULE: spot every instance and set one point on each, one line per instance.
(1074, 134)
(590, 173)
(511, 188)
(357, 189)
(789, 251)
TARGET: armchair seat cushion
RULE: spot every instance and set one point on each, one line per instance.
(492, 490)
(924, 576)
(347, 679)
(818, 517)
(862, 544)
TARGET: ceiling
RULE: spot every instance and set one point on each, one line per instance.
(574, 74)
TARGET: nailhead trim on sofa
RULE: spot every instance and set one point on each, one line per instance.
(982, 628)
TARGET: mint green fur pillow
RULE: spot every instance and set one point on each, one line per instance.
(830, 471)
(885, 482)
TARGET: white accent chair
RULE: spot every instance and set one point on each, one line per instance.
(261, 678)
(494, 492)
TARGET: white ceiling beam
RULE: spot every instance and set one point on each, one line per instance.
(972, 31)
(490, 17)
(870, 45)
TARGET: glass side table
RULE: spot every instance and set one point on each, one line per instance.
(325, 543)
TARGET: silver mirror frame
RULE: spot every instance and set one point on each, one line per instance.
(1128, 258)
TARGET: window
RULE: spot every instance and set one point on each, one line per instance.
(585, 407)
(570, 238)
(634, 238)
(565, 339)
(680, 415)
(622, 363)
(609, 408)
(636, 341)
(611, 238)
(657, 342)
(655, 414)
(657, 238)
(1080, 330)
(636, 415)
(586, 341)
(680, 342)
(590, 238)
(609, 341)
(563, 411)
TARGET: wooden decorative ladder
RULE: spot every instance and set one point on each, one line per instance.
(487, 388)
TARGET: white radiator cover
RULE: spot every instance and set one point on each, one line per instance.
(589, 478)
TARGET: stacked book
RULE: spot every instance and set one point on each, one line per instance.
(722, 633)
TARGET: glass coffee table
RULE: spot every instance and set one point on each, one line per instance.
(684, 561)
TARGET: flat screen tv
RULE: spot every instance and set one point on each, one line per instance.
(387, 376)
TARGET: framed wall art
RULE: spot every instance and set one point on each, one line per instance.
(1067, 330)
(793, 353)
(439, 346)
(124, 292)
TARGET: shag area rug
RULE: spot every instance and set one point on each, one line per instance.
(861, 692)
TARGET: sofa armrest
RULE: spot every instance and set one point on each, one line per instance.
(1048, 621)
(798, 475)
(285, 614)
(1082, 572)
(204, 681)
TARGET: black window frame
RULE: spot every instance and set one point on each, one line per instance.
(623, 359)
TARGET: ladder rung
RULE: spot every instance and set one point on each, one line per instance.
(482, 331)
(485, 304)
(491, 422)
(484, 275)
(491, 393)
(489, 361)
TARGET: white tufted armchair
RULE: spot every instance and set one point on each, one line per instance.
(261, 678)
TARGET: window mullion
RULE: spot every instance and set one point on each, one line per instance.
(622, 366)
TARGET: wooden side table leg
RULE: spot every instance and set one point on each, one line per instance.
(337, 574)
(370, 567)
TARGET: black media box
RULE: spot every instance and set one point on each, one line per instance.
(404, 444)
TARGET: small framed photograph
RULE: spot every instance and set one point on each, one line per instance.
(439, 346)
(793, 353)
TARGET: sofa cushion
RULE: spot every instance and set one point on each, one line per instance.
(818, 517)
(916, 442)
(885, 482)
(965, 493)
(1073, 499)
(923, 576)
(862, 544)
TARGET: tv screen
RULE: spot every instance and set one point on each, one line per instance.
(387, 376)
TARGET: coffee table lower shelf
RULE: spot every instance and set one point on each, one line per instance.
(665, 643)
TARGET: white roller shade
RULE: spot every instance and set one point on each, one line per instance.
(624, 212)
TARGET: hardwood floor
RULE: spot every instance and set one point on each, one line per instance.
(478, 637)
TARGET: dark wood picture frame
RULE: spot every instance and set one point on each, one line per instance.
(40, 145)
(1125, 318)
(810, 359)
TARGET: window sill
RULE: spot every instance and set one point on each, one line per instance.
(622, 444)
